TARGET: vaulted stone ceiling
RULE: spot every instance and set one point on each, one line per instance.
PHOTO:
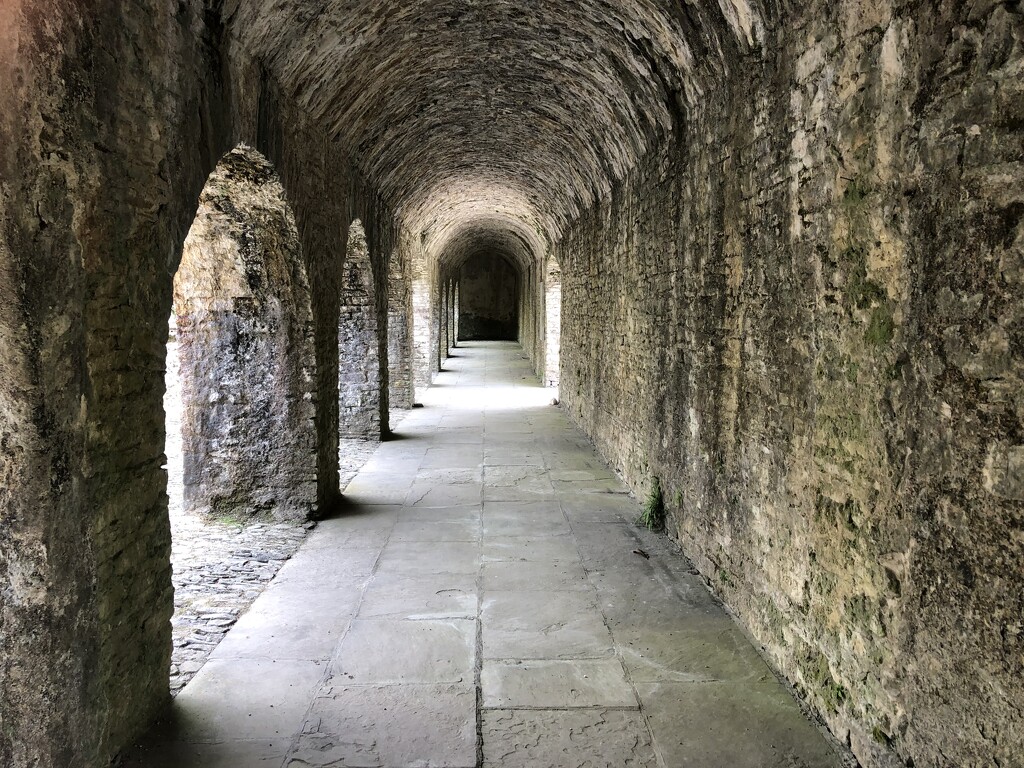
(491, 115)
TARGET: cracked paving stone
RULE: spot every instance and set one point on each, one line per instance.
(379, 727)
(593, 738)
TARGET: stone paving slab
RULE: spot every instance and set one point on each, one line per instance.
(335, 535)
(257, 753)
(523, 524)
(356, 518)
(638, 578)
(441, 478)
(292, 622)
(573, 487)
(572, 458)
(649, 603)
(529, 489)
(521, 477)
(557, 625)
(316, 566)
(427, 494)
(440, 530)
(531, 684)
(453, 458)
(267, 699)
(390, 651)
(437, 596)
(490, 603)
(529, 511)
(429, 557)
(507, 576)
(558, 738)
(457, 514)
(607, 545)
(694, 649)
(395, 495)
(554, 547)
(735, 725)
(389, 726)
(506, 457)
(598, 508)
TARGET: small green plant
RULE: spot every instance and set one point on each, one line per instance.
(232, 519)
(831, 690)
(855, 193)
(882, 328)
(834, 694)
(852, 369)
(862, 293)
(653, 516)
(879, 735)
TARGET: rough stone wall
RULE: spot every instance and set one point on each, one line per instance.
(540, 317)
(96, 165)
(803, 315)
(246, 350)
(490, 298)
(359, 384)
(448, 316)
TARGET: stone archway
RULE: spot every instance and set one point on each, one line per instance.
(245, 347)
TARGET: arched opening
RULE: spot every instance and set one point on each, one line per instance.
(493, 280)
(490, 289)
(239, 403)
(359, 358)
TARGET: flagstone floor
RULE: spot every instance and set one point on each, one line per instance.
(486, 600)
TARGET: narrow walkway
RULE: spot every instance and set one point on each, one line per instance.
(484, 604)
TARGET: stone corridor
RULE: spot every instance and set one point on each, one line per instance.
(486, 600)
(771, 254)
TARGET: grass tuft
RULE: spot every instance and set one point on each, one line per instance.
(653, 516)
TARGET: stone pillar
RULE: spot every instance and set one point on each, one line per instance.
(449, 317)
(455, 314)
(422, 316)
(358, 353)
(399, 330)
(437, 324)
(552, 321)
(446, 342)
